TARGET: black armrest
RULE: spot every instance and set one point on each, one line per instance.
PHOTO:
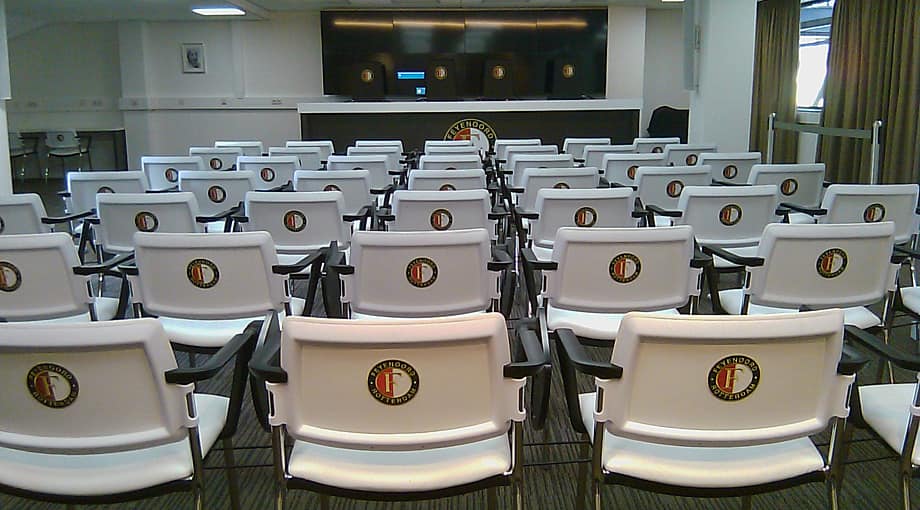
(51, 220)
(717, 182)
(530, 215)
(397, 172)
(850, 361)
(621, 185)
(128, 269)
(826, 183)
(164, 190)
(639, 211)
(500, 260)
(781, 211)
(578, 160)
(365, 212)
(288, 186)
(498, 212)
(221, 215)
(537, 264)
(386, 217)
(383, 191)
(813, 211)
(663, 212)
(63, 194)
(513, 189)
(907, 252)
(872, 343)
(733, 257)
(240, 219)
(533, 351)
(700, 259)
(343, 268)
(577, 355)
(93, 220)
(214, 363)
(87, 269)
(300, 265)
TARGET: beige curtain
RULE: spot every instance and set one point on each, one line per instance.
(873, 72)
(776, 61)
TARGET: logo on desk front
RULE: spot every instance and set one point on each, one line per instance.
(52, 385)
(479, 132)
(498, 72)
(393, 382)
(874, 213)
(146, 221)
(10, 277)
(440, 73)
(568, 71)
(733, 378)
(788, 187)
(367, 75)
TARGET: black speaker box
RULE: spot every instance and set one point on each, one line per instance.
(441, 79)
(565, 78)
(498, 79)
(366, 81)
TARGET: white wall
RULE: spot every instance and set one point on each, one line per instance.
(625, 52)
(664, 61)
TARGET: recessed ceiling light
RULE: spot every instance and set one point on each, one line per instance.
(219, 11)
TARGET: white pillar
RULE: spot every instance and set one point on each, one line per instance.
(6, 175)
(720, 109)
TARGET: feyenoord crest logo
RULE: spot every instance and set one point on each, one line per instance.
(441, 219)
(625, 267)
(216, 163)
(367, 75)
(440, 73)
(498, 72)
(447, 187)
(105, 189)
(202, 273)
(734, 377)
(146, 221)
(657, 150)
(674, 188)
(393, 382)
(874, 213)
(217, 194)
(631, 171)
(788, 187)
(585, 217)
(730, 172)
(267, 174)
(171, 174)
(479, 132)
(422, 272)
(568, 71)
(10, 277)
(295, 221)
(331, 187)
(832, 263)
(561, 185)
(52, 385)
(730, 215)
(691, 159)
(2, 225)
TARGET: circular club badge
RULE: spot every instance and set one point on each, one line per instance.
(631, 171)
(734, 377)
(674, 188)
(171, 174)
(440, 73)
(105, 189)
(146, 221)
(691, 159)
(832, 263)
(216, 163)
(267, 174)
(568, 71)
(52, 385)
(421, 272)
(217, 194)
(788, 187)
(202, 273)
(295, 221)
(447, 187)
(479, 132)
(393, 382)
(2, 225)
(730, 172)
(585, 217)
(874, 213)
(730, 215)
(498, 72)
(441, 219)
(331, 187)
(657, 150)
(367, 75)
(560, 185)
(625, 267)
(10, 277)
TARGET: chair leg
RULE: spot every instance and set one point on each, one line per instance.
(518, 495)
(832, 494)
(492, 498)
(746, 503)
(232, 479)
(596, 494)
(198, 495)
(280, 494)
(583, 478)
(905, 490)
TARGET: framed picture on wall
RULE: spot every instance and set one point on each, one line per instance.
(192, 57)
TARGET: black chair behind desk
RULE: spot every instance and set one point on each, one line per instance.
(667, 122)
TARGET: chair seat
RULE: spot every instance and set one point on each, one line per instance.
(600, 326)
(910, 296)
(703, 467)
(543, 253)
(797, 218)
(886, 408)
(213, 333)
(113, 473)
(663, 221)
(106, 308)
(858, 316)
(214, 226)
(401, 471)
(743, 251)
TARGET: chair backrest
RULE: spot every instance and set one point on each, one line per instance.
(325, 146)
(392, 153)
(207, 276)
(308, 158)
(355, 185)
(587, 208)
(123, 214)
(454, 150)
(823, 266)
(519, 162)
(662, 186)
(447, 180)
(727, 215)
(300, 221)
(621, 168)
(57, 140)
(533, 150)
(594, 154)
(217, 191)
(679, 154)
(730, 166)
(22, 213)
(424, 360)
(217, 158)
(270, 171)
(449, 161)
(735, 374)
(420, 274)
(249, 148)
(860, 203)
(434, 210)
(84, 186)
(653, 145)
(90, 388)
(501, 146)
(429, 144)
(37, 279)
(535, 179)
(576, 146)
(381, 143)
(617, 270)
(376, 165)
(163, 171)
(797, 183)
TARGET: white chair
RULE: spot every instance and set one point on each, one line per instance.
(501, 145)
(163, 171)
(381, 143)
(453, 150)
(355, 186)
(219, 194)
(621, 168)
(308, 158)
(737, 431)
(801, 184)
(448, 162)
(120, 215)
(66, 144)
(653, 145)
(82, 187)
(576, 146)
(678, 154)
(392, 152)
(517, 162)
(249, 148)
(511, 150)
(19, 150)
(271, 171)
(376, 165)
(447, 180)
(534, 179)
(446, 143)
(594, 154)
(415, 211)
(217, 158)
(326, 147)
(733, 167)
(662, 186)
(22, 213)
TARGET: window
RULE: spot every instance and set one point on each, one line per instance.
(814, 36)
